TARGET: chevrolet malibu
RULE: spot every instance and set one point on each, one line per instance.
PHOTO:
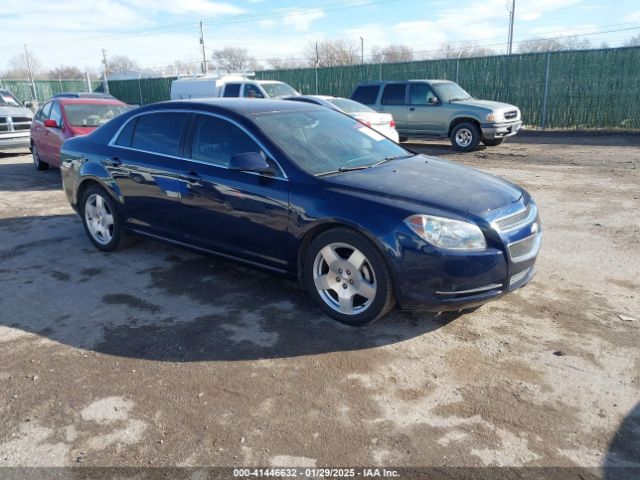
(303, 190)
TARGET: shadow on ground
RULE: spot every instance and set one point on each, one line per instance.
(24, 177)
(623, 457)
(157, 302)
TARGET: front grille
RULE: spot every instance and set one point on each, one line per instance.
(510, 115)
(4, 127)
(521, 250)
(22, 126)
(3, 119)
(21, 119)
(514, 220)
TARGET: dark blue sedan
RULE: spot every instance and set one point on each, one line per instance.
(299, 189)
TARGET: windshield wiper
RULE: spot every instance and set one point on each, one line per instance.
(394, 157)
(343, 169)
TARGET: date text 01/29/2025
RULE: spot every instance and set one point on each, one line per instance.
(315, 472)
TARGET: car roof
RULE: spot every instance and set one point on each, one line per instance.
(384, 82)
(82, 95)
(242, 106)
(88, 101)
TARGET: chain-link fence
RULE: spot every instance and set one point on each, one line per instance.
(588, 89)
(42, 90)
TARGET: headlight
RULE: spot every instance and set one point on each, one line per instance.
(447, 233)
(494, 116)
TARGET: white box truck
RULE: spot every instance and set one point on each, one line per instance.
(228, 86)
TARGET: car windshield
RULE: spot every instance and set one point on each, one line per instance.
(451, 92)
(92, 115)
(349, 106)
(8, 100)
(324, 141)
(278, 89)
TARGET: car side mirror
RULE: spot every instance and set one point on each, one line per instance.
(28, 104)
(250, 162)
(433, 100)
(51, 123)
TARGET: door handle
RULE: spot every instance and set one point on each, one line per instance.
(191, 177)
(114, 162)
(411, 109)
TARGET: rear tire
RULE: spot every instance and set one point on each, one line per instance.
(37, 163)
(102, 220)
(348, 277)
(465, 137)
(492, 142)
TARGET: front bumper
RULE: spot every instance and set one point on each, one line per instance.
(15, 140)
(431, 279)
(500, 130)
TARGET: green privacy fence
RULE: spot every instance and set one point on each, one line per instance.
(142, 91)
(588, 89)
(44, 89)
(571, 89)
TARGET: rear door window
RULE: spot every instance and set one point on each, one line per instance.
(124, 139)
(159, 132)
(367, 94)
(232, 90)
(394, 94)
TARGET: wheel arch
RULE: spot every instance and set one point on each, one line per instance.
(317, 229)
(457, 121)
(87, 182)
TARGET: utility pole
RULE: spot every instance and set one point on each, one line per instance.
(511, 18)
(205, 69)
(104, 71)
(30, 75)
(361, 50)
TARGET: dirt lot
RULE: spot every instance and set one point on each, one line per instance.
(159, 356)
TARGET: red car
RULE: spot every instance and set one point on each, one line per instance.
(62, 118)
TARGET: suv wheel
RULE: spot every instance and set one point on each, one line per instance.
(348, 277)
(102, 220)
(465, 137)
(39, 164)
(492, 142)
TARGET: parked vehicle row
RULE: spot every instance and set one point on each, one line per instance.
(307, 191)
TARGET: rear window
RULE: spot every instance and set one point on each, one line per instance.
(79, 115)
(394, 94)
(159, 132)
(349, 106)
(232, 90)
(366, 94)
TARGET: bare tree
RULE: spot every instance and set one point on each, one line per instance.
(633, 41)
(121, 63)
(391, 54)
(18, 66)
(286, 63)
(554, 44)
(331, 53)
(234, 59)
(462, 50)
(66, 72)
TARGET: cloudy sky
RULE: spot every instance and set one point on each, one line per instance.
(157, 32)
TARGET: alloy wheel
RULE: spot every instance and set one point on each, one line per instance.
(464, 137)
(344, 278)
(99, 219)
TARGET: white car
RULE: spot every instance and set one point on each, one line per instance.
(381, 122)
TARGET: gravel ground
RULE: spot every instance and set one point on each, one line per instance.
(159, 356)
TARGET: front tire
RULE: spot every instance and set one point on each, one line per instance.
(465, 137)
(102, 220)
(492, 142)
(37, 162)
(348, 277)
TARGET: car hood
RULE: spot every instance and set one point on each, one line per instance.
(15, 112)
(431, 182)
(488, 104)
